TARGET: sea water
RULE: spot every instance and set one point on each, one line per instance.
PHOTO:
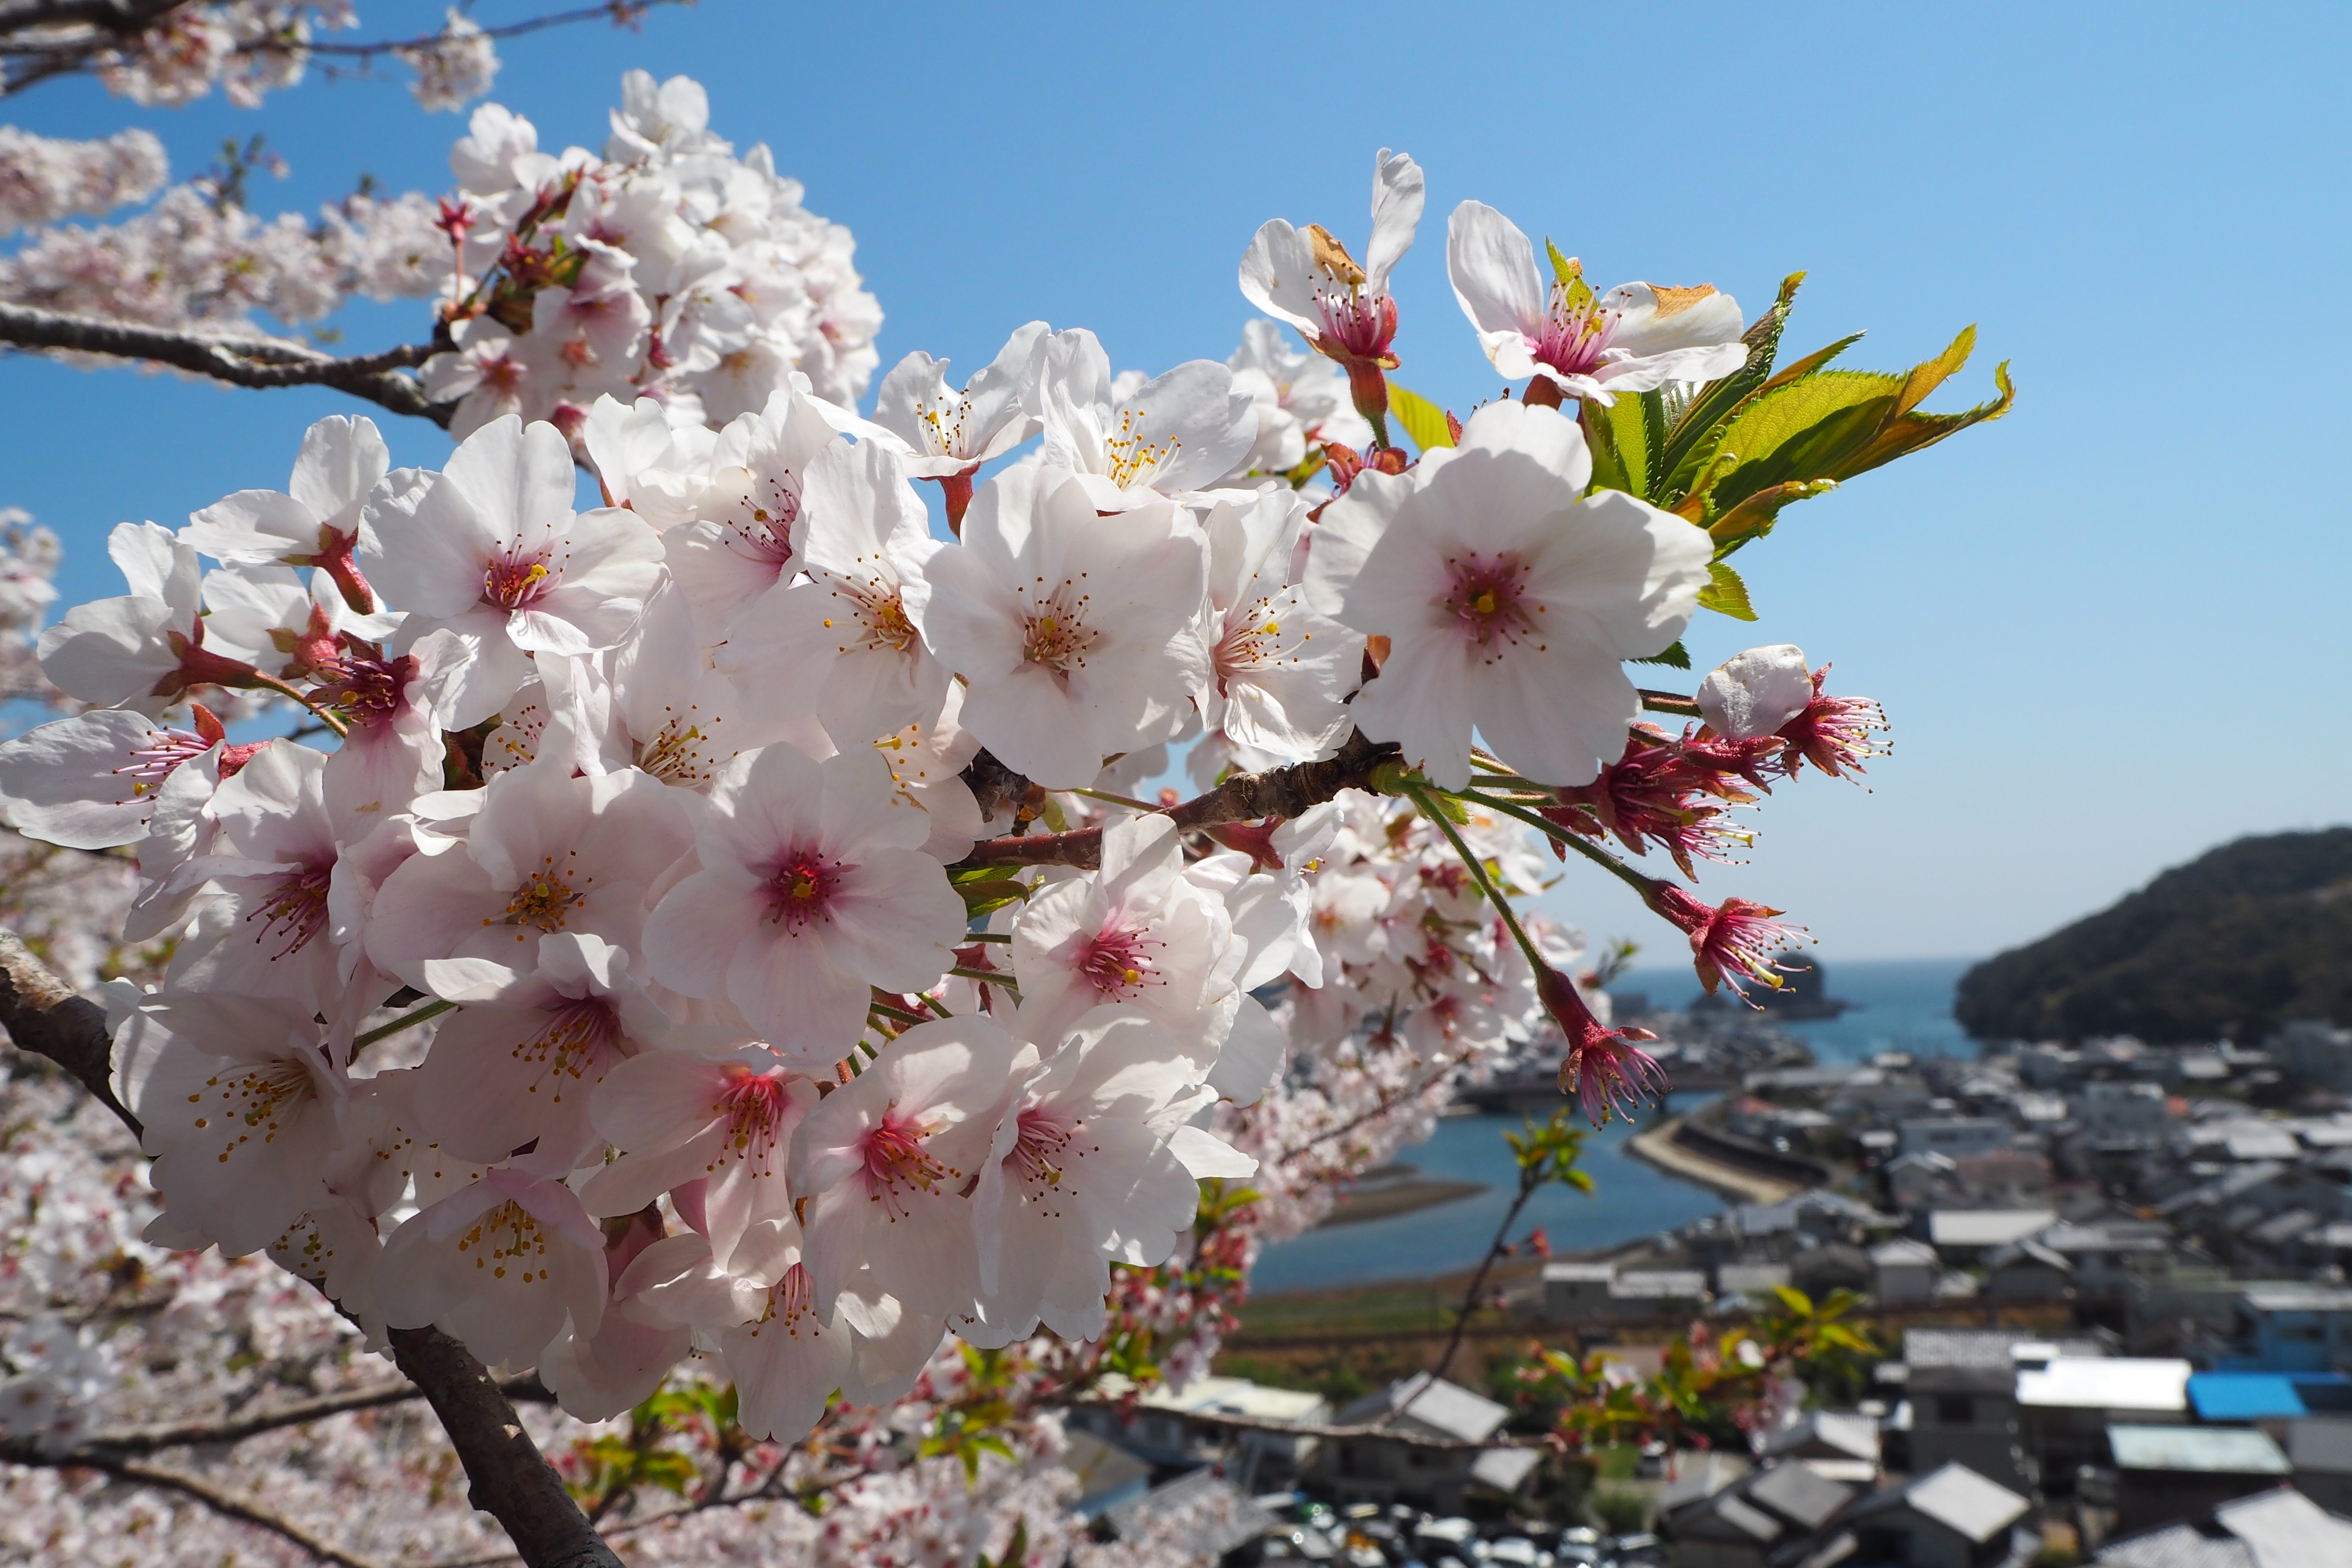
(1900, 1005)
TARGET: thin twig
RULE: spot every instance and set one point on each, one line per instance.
(225, 1503)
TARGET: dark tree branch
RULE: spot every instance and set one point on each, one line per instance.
(1248, 797)
(45, 38)
(120, 18)
(511, 1478)
(241, 361)
(512, 1481)
(43, 1015)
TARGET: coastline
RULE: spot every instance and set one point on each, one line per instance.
(1656, 1147)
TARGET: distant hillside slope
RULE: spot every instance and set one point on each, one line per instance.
(2235, 942)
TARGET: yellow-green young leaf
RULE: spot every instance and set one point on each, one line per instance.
(1808, 425)
(1754, 515)
(1621, 438)
(1675, 658)
(1726, 593)
(1423, 421)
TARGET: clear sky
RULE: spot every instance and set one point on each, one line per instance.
(2097, 623)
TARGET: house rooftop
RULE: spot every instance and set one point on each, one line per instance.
(2210, 1450)
(2278, 1529)
(1447, 1408)
(1986, 1228)
(2105, 1382)
(2296, 1297)
(2252, 1396)
(1798, 1493)
(1960, 1500)
(2321, 1445)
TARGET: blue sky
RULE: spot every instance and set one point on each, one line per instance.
(2097, 623)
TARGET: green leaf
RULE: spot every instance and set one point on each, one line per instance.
(1423, 421)
(1675, 657)
(1726, 593)
(1621, 438)
(1810, 425)
(989, 894)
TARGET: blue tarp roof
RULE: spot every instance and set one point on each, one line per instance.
(2252, 1396)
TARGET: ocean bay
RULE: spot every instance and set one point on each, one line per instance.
(1899, 1005)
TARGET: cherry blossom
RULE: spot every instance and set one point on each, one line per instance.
(1133, 933)
(1273, 688)
(93, 781)
(718, 1128)
(1127, 442)
(1306, 278)
(315, 522)
(811, 893)
(240, 1107)
(864, 546)
(885, 1161)
(1092, 1161)
(1074, 630)
(1636, 338)
(502, 1263)
(543, 852)
(1509, 597)
(950, 434)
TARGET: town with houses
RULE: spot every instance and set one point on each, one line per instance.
(2107, 1281)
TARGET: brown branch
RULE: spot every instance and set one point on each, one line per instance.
(241, 361)
(512, 1481)
(134, 1440)
(511, 1478)
(43, 1015)
(57, 38)
(1669, 702)
(1248, 797)
(225, 1503)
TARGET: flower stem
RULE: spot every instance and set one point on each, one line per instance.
(1601, 857)
(1421, 796)
(1127, 801)
(328, 717)
(408, 1021)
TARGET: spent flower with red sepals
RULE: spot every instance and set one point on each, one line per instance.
(1834, 732)
(1605, 1068)
(1731, 944)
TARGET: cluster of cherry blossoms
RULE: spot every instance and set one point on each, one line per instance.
(246, 49)
(667, 267)
(719, 935)
(42, 178)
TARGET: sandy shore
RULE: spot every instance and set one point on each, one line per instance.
(1385, 1200)
(1657, 1146)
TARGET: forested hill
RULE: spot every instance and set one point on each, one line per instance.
(2235, 942)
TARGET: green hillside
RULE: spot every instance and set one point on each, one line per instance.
(2233, 943)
